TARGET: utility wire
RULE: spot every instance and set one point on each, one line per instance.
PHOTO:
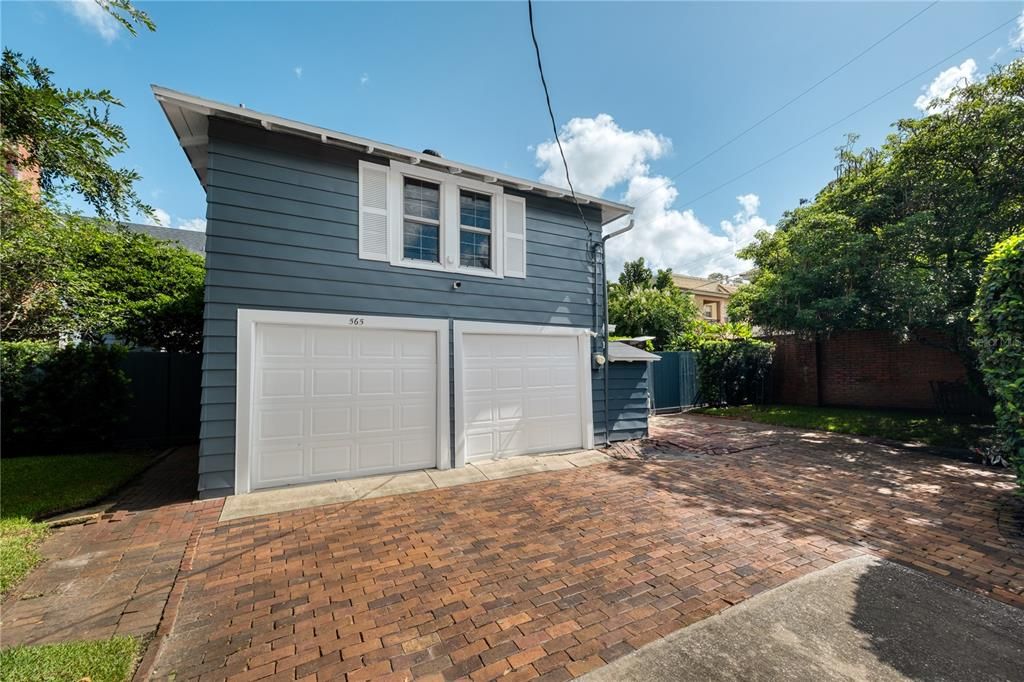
(851, 114)
(794, 99)
(551, 114)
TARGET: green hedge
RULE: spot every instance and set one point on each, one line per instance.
(999, 340)
(733, 371)
(55, 399)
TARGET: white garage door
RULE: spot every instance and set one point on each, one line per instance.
(521, 394)
(339, 402)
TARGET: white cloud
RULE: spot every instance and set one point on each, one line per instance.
(1017, 41)
(193, 224)
(160, 217)
(90, 13)
(364, 79)
(298, 72)
(944, 83)
(602, 156)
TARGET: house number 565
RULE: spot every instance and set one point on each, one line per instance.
(356, 321)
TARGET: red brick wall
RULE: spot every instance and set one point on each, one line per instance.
(861, 369)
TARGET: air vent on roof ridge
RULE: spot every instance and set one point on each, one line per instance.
(432, 152)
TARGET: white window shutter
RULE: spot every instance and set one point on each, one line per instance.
(515, 236)
(373, 211)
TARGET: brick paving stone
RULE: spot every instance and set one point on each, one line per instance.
(113, 575)
(550, 575)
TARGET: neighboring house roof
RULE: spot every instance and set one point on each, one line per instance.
(623, 352)
(192, 240)
(703, 285)
(188, 116)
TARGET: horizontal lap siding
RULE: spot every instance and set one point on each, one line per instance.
(627, 401)
(282, 234)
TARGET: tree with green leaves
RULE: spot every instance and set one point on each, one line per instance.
(898, 240)
(644, 304)
(65, 275)
(999, 327)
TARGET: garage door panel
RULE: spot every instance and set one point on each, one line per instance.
(331, 421)
(278, 424)
(341, 402)
(376, 382)
(281, 383)
(330, 460)
(278, 466)
(375, 418)
(282, 341)
(376, 456)
(331, 343)
(417, 381)
(416, 451)
(331, 383)
(415, 416)
(477, 379)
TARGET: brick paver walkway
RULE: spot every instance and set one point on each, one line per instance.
(112, 575)
(551, 575)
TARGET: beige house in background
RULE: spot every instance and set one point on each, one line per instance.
(711, 296)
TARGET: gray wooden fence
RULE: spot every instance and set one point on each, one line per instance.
(674, 381)
(164, 408)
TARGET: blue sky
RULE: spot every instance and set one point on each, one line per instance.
(654, 86)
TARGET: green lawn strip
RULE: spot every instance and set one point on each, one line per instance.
(36, 486)
(19, 539)
(108, 660)
(903, 426)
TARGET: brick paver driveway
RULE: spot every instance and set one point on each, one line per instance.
(551, 575)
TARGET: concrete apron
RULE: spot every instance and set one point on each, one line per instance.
(860, 619)
(331, 492)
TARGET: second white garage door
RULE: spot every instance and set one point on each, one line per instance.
(521, 392)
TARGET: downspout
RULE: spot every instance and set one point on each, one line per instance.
(604, 332)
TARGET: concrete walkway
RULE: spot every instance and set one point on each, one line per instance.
(860, 619)
(332, 492)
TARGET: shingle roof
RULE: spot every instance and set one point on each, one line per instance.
(623, 352)
(192, 240)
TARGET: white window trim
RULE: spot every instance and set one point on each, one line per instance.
(450, 224)
(461, 328)
(246, 345)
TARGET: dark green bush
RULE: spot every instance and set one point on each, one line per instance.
(999, 341)
(733, 371)
(60, 399)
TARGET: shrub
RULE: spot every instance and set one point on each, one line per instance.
(999, 327)
(733, 371)
(60, 399)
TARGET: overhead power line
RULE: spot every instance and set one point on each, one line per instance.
(853, 113)
(799, 96)
(551, 114)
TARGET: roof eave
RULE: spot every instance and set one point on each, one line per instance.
(193, 142)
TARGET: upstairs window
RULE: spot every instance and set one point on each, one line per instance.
(421, 221)
(416, 217)
(475, 230)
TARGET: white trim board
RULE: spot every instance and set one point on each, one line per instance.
(247, 321)
(461, 328)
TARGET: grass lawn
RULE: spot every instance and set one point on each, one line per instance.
(905, 426)
(109, 660)
(36, 486)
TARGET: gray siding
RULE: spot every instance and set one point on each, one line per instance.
(282, 234)
(627, 401)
